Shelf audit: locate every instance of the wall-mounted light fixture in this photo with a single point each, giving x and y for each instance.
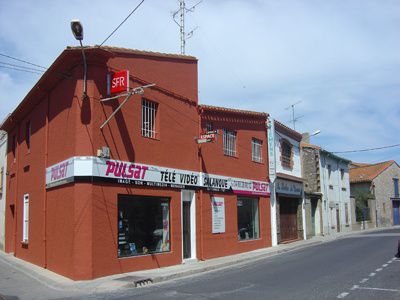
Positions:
(77, 30)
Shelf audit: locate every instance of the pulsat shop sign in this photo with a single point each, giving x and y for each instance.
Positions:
(97, 169)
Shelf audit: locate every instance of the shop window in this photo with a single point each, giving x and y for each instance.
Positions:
(143, 225)
(248, 219)
(229, 138)
(149, 115)
(286, 154)
(256, 147)
(25, 216)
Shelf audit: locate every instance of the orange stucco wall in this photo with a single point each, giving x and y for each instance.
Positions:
(73, 228)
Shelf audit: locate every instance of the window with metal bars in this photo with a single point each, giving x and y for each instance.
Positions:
(149, 114)
(286, 154)
(256, 150)
(229, 138)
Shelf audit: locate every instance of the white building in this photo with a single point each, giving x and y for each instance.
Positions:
(287, 197)
(3, 170)
(335, 188)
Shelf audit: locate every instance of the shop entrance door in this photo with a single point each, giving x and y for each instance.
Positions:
(288, 218)
(313, 213)
(188, 225)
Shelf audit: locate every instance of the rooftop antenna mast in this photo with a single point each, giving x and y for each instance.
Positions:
(181, 12)
(294, 119)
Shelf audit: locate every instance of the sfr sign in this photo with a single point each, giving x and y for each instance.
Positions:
(119, 82)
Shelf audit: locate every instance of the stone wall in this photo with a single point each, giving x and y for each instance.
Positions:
(384, 191)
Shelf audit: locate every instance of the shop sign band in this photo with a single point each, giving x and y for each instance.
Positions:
(97, 169)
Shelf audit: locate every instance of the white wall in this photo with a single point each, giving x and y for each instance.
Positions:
(336, 193)
(296, 171)
(3, 164)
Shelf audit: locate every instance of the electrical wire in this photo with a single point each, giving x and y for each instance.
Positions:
(122, 23)
(22, 70)
(24, 61)
(21, 67)
(368, 149)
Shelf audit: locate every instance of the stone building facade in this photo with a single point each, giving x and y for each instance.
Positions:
(381, 181)
(326, 190)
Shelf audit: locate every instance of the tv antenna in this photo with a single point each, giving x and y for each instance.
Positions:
(181, 12)
(294, 119)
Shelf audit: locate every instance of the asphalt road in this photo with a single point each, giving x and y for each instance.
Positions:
(356, 267)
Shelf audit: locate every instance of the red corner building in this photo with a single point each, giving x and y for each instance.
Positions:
(95, 188)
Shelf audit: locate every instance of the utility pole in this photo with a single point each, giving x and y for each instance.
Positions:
(294, 120)
(181, 12)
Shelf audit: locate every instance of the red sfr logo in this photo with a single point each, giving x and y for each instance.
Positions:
(120, 82)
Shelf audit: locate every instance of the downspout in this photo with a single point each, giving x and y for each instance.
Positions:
(16, 188)
(201, 190)
(46, 151)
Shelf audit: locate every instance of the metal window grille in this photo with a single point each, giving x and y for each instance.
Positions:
(256, 146)
(149, 113)
(229, 138)
(286, 153)
(209, 126)
(25, 225)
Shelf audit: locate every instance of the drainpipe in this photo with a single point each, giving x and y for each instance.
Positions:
(46, 152)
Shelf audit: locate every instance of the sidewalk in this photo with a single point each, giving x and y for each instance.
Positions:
(141, 278)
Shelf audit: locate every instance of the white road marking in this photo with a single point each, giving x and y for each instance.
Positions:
(342, 295)
(389, 262)
(354, 287)
(378, 289)
(364, 280)
(378, 270)
(372, 274)
(384, 265)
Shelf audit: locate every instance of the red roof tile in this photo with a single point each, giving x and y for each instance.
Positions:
(232, 111)
(368, 172)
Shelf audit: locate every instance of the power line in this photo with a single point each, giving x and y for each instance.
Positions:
(368, 149)
(122, 22)
(22, 70)
(24, 61)
(22, 67)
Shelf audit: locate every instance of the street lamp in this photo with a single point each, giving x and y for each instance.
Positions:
(77, 30)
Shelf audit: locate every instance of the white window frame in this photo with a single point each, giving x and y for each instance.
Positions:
(25, 220)
(256, 150)
(149, 114)
(229, 141)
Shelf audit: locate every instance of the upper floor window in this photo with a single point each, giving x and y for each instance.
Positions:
(14, 146)
(329, 171)
(286, 154)
(396, 187)
(28, 135)
(256, 150)
(149, 114)
(229, 138)
(209, 127)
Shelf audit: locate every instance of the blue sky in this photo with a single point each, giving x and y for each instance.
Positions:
(339, 59)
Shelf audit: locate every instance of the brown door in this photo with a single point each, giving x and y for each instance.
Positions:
(337, 220)
(288, 218)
